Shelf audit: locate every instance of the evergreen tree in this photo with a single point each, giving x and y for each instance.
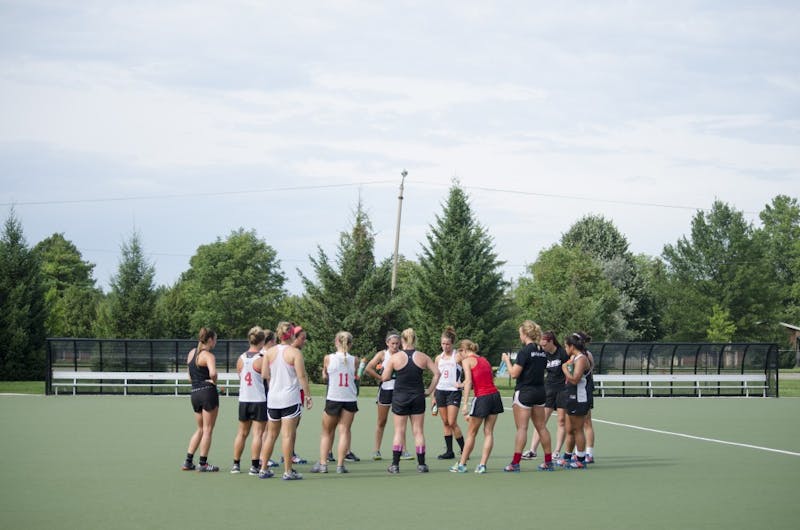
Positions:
(132, 299)
(22, 307)
(459, 282)
(352, 294)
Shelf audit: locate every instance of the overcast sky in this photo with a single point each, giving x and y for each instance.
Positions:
(187, 120)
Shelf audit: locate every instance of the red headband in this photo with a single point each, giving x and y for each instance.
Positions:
(288, 334)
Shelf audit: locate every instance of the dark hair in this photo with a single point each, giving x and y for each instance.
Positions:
(576, 340)
(551, 336)
(205, 335)
(586, 337)
(269, 335)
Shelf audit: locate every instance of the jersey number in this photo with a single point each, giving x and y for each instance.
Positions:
(446, 374)
(344, 379)
(248, 378)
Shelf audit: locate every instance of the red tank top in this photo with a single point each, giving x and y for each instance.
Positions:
(482, 378)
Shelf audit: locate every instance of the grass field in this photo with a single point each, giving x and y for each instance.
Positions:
(112, 462)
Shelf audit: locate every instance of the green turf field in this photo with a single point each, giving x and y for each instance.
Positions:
(113, 462)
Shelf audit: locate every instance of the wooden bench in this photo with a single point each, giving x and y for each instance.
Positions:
(167, 380)
(698, 383)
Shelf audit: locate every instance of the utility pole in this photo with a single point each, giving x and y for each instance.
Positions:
(397, 230)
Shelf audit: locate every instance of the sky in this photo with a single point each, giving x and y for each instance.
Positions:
(183, 121)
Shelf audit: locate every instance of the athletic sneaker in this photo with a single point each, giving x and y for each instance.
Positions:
(319, 468)
(330, 457)
(458, 468)
(253, 471)
(560, 462)
(377, 455)
(207, 468)
(481, 469)
(292, 475)
(407, 456)
(235, 469)
(272, 463)
(393, 469)
(341, 469)
(188, 466)
(529, 455)
(545, 466)
(589, 459)
(297, 460)
(512, 468)
(422, 468)
(266, 474)
(447, 455)
(351, 457)
(577, 464)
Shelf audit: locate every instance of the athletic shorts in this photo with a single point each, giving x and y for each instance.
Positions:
(575, 407)
(530, 397)
(384, 397)
(289, 412)
(551, 397)
(252, 411)
(448, 398)
(206, 398)
(334, 408)
(484, 406)
(409, 404)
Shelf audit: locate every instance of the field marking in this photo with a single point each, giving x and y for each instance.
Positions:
(701, 438)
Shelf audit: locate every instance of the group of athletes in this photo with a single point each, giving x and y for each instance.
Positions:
(274, 389)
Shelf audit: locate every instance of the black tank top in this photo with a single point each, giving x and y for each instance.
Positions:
(198, 374)
(409, 377)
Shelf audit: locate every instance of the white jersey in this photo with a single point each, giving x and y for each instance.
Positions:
(284, 388)
(386, 385)
(251, 385)
(341, 377)
(449, 371)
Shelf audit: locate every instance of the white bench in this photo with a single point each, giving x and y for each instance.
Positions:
(170, 380)
(698, 383)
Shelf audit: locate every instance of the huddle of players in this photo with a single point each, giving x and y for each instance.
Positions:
(567, 388)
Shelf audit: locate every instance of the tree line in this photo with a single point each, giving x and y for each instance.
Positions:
(727, 280)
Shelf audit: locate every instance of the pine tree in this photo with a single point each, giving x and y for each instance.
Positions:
(459, 282)
(22, 308)
(132, 300)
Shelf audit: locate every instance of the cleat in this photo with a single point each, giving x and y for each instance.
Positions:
(188, 466)
(448, 455)
(253, 471)
(292, 475)
(545, 466)
(341, 469)
(266, 474)
(319, 468)
(235, 469)
(351, 457)
(207, 468)
(481, 469)
(331, 458)
(407, 456)
(589, 459)
(377, 455)
(393, 469)
(512, 468)
(458, 468)
(422, 468)
(577, 464)
(529, 455)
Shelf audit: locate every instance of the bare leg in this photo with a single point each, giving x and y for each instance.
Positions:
(488, 437)
(209, 419)
(241, 436)
(473, 424)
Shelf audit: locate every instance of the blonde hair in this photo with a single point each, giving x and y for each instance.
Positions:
(468, 345)
(205, 335)
(449, 333)
(344, 339)
(284, 331)
(256, 335)
(409, 338)
(531, 329)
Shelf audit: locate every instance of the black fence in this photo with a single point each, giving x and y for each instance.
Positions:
(641, 358)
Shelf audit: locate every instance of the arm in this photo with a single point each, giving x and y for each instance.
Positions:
(432, 366)
(467, 365)
(513, 370)
(370, 370)
(240, 365)
(257, 363)
(579, 367)
(302, 377)
(325, 368)
(211, 364)
(388, 369)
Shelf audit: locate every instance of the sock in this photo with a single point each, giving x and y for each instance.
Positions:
(517, 458)
(256, 462)
(237, 462)
(460, 441)
(548, 458)
(448, 442)
(203, 460)
(397, 450)
(189, 457)
(567, 456)
(589, 450)
(421, 455)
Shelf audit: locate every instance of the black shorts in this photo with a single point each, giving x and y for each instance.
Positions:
(551, 397)
(252, 411)
(408, 404)
(448, 398)
(289, 412)
(206, 398)
(575, 407)
(530, 397)
(334, 408)
(484, 406)
(384, 397)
